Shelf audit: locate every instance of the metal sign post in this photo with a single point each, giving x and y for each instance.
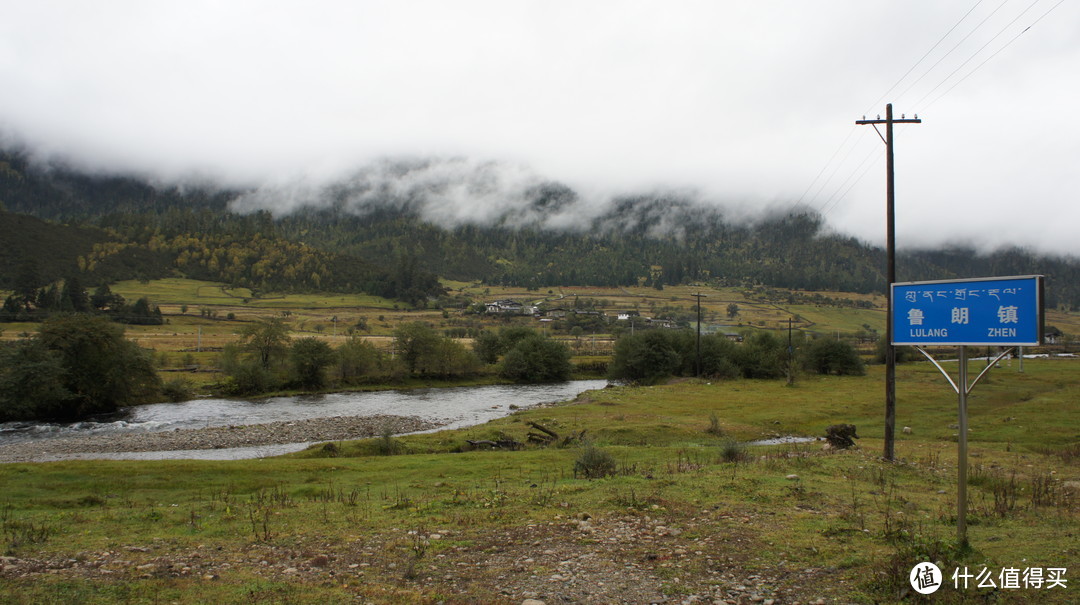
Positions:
(1005, 312)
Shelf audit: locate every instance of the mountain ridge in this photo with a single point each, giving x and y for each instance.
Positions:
(652, 239)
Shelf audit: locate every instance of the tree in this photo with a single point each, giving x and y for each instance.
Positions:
(718, 355)
(103, 371)
(310, 357)
(762, 355)
(104, 299)
(74, 295)
(537, 359)
(487, 346)
(490, 346)
(31, 382)
(646, 357)
(266, 339)
(415, 342)
(830, 356)
(358, 359)
(732, 311)
(247, 376)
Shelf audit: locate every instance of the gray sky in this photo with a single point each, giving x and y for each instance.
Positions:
(750, 104)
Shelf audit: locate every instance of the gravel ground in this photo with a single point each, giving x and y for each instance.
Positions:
(706, 558)
(274, 433)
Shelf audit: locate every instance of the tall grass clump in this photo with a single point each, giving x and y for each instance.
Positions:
(714, 426)
(733, 451)
(386, 445)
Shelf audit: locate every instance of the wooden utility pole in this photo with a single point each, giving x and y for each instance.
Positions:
(698, 357)
(890, 253)
(790, 354)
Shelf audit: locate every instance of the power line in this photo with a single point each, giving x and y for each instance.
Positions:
(996, 53)
(861, 169)
(822, 171)
(825, 211)
(840, 164)
(923, 58)
(951, 50)
(976, 53)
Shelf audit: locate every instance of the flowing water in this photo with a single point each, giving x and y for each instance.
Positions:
(455, 407)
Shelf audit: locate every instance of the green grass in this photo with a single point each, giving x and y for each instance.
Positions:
(856, 522)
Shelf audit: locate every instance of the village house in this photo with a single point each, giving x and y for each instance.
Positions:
(506, 307)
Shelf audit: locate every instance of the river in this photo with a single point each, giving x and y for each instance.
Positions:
(451, 407)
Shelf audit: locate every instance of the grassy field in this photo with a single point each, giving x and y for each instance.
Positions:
(192, 307)
(202, 317)
(687, 511)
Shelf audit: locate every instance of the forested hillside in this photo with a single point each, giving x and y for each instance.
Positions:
(122, 227)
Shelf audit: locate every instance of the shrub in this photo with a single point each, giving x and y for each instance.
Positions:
(177, 390)
(594, 463)
(309, 358)
(762, 355)
(733, 451)
(646, 358)
(537, 359)
(76, 366)
(829, 356)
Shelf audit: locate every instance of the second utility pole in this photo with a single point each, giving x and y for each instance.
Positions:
(698, 356)
(890, 252)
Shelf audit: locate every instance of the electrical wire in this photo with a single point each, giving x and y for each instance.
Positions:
(951, 50)
(829, 162)
(976, 53)
(925, 55)
(836, 197)
(996, 53)
(842, 190)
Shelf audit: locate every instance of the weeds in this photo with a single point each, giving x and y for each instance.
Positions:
(891, 576)
(685, 463)
(733, 451)
(855, 513)
(386, 445)
(545, 491)
(1068, 454)
(1047, 491)
(714, 426)
(418, 548)
(259, 516)
(19, 533)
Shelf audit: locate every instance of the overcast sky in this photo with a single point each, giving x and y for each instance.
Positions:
(746, 103)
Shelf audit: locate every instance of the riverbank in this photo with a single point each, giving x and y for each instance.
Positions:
(335, 428)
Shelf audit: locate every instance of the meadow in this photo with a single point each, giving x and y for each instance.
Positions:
(654, 496)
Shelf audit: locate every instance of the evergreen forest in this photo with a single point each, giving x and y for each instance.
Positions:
(59, 224)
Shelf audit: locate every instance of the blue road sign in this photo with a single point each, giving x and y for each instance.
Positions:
(993, 311)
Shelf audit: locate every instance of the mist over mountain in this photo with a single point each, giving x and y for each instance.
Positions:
(469, 220)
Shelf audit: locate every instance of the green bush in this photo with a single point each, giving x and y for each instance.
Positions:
(536, 359)
(762, 355)
(177, 390)
(76, 366)
(309, 358)
(830, 356)
(648, 357)
(594, 463)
